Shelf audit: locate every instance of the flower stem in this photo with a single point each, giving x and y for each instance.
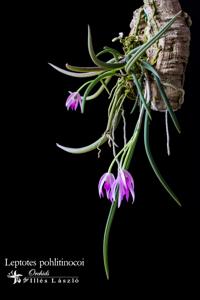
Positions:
(83, 85)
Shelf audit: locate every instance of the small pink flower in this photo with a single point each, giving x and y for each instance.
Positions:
(123, 186)
(106, 182)
(73, 101)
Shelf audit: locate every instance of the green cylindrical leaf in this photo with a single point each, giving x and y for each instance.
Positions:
(96, 60)
(152, 161)
(83, 69)
(73, 74)
(85, 149)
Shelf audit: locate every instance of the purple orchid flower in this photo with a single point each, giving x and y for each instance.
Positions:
(73, 101)
(106, 182)
(124, 185)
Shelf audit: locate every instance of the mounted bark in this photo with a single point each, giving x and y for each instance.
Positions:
(170, 54)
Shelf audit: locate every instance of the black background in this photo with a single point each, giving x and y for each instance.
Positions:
(49, 199)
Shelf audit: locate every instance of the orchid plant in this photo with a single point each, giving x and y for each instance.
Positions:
(130, 73)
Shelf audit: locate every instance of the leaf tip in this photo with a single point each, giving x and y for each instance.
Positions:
(59, 146)
(179, 204)
(107, 275)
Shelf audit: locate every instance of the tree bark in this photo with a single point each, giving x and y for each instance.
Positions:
(170, 54)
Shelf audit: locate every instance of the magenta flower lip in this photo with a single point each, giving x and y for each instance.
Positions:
(123, 186)
(73, 100)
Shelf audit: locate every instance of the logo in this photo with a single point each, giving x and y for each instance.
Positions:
(54, 271)
(15, 276)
